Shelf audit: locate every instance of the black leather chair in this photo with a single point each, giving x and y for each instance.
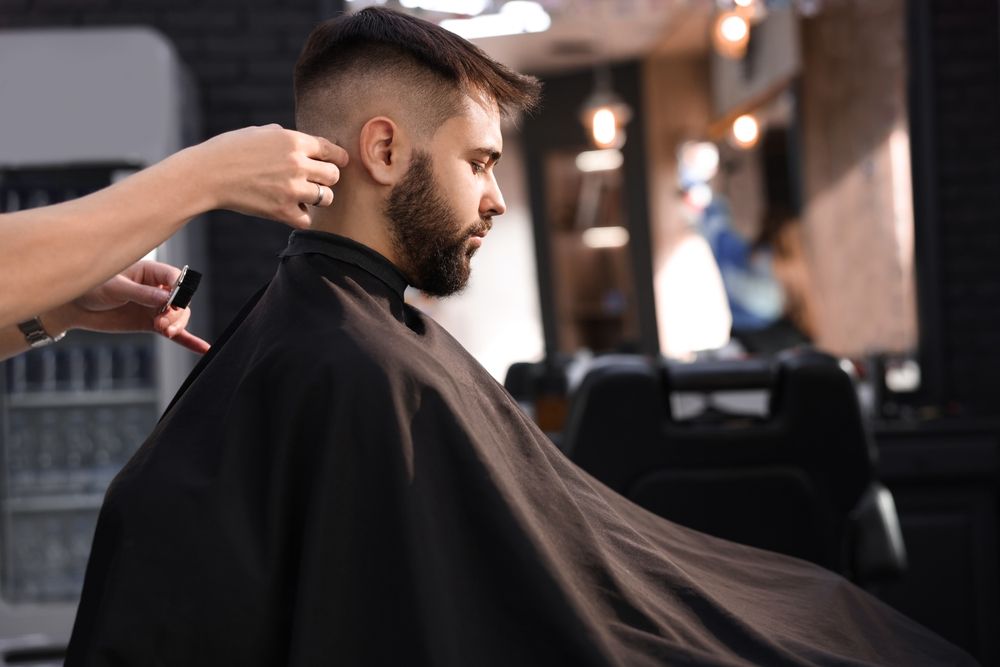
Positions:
(799, 480)
(521, 379)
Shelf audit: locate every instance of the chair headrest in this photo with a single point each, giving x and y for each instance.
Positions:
(726, 375)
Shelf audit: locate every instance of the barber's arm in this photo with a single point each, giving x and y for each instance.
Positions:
(131, 301)
(51, 255)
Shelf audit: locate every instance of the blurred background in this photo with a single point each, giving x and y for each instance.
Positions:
(718, 198)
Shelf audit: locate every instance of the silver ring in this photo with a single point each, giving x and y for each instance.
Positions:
(320, 195)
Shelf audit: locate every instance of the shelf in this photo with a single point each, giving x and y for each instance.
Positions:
(71, 399)
(63, 503)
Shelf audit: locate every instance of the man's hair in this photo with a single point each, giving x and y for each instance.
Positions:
(430, 68)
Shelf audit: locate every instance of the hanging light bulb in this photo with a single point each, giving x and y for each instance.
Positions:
(731, 34)
(604, 130)
(605, 113)
(745, 131)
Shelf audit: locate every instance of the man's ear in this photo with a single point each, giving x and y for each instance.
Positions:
(384, 150)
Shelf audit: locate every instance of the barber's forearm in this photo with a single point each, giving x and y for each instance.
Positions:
(53, 254)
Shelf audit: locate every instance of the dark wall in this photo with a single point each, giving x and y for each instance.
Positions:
(241, 54)
(955, 107)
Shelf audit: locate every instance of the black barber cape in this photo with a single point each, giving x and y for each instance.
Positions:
(340, 483)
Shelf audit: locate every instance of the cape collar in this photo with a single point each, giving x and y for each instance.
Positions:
(310, 241)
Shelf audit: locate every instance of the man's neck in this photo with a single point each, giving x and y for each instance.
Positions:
(362, 227)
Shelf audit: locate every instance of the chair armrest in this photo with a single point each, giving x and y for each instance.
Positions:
(878, 551)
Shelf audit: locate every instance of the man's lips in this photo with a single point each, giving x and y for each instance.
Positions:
(483, 230)
(477, 235)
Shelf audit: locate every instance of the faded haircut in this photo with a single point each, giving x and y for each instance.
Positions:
(379, 50)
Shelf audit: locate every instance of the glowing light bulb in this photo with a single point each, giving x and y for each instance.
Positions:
(604, 127)
(731, 34)
(746, 131)
(734, 28)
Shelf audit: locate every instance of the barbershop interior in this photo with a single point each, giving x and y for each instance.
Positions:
(745, 278)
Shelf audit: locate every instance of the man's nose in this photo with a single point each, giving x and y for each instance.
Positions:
(493, 203)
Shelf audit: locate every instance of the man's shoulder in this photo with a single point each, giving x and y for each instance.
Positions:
(322, 350)
(306, 328)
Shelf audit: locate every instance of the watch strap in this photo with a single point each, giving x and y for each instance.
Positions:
(35, 333)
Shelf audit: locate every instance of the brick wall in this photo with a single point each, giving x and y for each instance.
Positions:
(241, 54)
(857, 222)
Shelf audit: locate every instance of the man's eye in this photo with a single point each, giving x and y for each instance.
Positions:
(478, 167)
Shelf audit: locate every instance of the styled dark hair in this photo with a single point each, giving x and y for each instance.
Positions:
(404, 46)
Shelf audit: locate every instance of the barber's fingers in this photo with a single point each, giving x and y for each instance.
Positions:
(149, 272)
(325, 197)
(172, 321)
(321, 172)
(146, 283)
(319, 148)
(173, 325)
(190, 341)
(123, 289)
(315, 194)
(296, 217)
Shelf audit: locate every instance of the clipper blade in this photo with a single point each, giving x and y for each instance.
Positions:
(183, 290)
(186, 289)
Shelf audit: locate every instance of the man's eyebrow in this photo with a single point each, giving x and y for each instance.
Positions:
(492, 153)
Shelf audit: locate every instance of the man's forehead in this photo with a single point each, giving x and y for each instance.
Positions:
(478, 124)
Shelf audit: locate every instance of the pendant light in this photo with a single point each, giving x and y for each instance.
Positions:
(605, 113)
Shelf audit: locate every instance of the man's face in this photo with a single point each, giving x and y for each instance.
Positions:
(444, 206)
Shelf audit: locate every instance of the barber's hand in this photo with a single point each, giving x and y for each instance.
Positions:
(131, 301)
(271, 172)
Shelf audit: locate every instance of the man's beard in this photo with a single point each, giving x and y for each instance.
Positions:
(428, 237)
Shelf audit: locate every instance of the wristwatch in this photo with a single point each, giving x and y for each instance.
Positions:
(35, 333)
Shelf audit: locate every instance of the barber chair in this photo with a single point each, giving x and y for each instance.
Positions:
(542, 390)
(521, 380)
(798, 479)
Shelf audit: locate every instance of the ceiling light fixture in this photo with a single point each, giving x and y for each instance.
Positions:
(514, 18)
(605, 113)
(464, 7)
